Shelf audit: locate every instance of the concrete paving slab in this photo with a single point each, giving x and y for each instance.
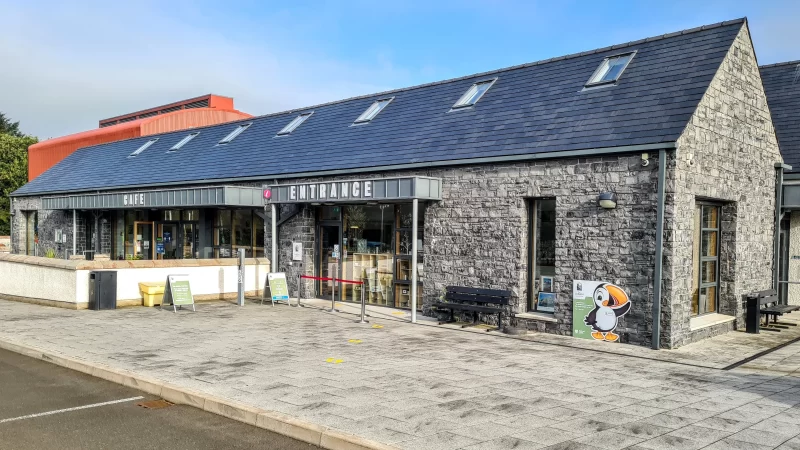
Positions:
(396, 388)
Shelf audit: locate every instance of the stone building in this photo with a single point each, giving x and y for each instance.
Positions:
(650, 165)
(782, 86)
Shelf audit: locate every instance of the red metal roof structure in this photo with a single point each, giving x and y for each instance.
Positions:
(191, 113)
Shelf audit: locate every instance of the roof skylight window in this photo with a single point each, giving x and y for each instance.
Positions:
(143, 147)
(291, 126)
(373, 110)
(183, 141)
(610, 69)
(239, 130)
(474, 93)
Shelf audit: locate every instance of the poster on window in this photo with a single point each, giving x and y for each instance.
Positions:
(597, 307)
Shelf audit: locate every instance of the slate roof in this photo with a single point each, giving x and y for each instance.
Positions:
(532, 108)
(782, 86)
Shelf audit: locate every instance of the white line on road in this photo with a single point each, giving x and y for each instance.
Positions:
(50, 413)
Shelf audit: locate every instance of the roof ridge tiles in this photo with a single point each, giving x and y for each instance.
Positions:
(785, 63)
(509, 68)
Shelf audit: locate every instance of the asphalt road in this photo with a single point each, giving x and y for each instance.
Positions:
(32, 387)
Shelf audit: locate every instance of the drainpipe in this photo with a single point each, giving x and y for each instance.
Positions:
(96, 233)
(11, 224)
(662, 172)
(274, 262)
(776, 256)
(74, 231)
(414, 250)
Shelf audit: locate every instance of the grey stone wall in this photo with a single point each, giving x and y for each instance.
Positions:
(727, 153)
(49, 221)
(299, 228)
(478, 234)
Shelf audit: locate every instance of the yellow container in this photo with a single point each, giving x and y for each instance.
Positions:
(152, 292)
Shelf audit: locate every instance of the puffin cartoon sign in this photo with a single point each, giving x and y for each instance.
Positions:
(596, 309)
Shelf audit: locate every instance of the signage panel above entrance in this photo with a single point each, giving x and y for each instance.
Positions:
(356, 190)
(221, 196)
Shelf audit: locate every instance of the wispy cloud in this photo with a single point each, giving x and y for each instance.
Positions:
(65, 67)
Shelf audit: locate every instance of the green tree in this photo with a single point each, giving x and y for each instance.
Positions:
(9, 127)
(13, 170)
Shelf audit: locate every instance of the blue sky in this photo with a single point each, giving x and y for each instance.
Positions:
(75, 64)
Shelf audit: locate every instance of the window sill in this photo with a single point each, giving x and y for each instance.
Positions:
(543, 317)
(709, 320)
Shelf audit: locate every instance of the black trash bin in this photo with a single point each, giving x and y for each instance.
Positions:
(102, 289)
(753, 314)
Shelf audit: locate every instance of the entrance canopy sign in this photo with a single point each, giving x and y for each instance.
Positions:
(356, 190)
(219, 196)
(178, 292)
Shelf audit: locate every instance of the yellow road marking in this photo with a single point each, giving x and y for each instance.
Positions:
(398, 313)
(334, 360)
(354, 341)
(377, 326)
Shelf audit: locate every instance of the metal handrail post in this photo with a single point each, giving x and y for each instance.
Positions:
(363, 307)
(299, 286)
(333, 291)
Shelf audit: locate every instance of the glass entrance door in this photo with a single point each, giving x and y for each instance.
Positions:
(167, 241)
(191, 241)
(328, 237)
(143, 240)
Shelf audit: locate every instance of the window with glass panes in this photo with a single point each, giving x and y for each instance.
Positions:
(705, 259)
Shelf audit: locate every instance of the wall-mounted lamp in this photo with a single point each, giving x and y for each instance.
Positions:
(607, 200)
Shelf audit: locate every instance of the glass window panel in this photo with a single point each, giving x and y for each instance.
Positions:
(601, 71)
(465, 99)
(406, 212)
(710, 216)
(368, 236)
(709, 272)
(258, 226)
(481, 88)
(144, 147)
(709, 243)
(329, 212)
(191, 215)
(610, 69)
(544, 247)
(243, 228)
(711, 299)
(614, 69)
(172, 215)
(373, 110)
(236, 132)
(222, 234)
(474, 93)
(183, 141)
(296, 122)
(696, 263)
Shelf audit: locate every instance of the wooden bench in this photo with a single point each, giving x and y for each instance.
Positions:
(475, 300)
(767, 305)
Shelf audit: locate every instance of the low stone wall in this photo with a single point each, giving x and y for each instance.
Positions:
(57, 282)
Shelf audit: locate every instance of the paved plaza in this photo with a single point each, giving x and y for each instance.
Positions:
(432, 387)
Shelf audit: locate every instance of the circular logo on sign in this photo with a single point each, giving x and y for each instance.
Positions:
(267, 194)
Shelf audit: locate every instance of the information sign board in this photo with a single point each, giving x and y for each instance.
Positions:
(277, 286)
(178, 292)
(597, 307)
